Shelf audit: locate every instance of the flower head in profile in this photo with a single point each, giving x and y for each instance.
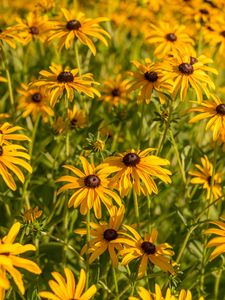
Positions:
(148, 79)
(77, 26)
(77, 117)
(203, 176)
(35, 101)
(219, 241)
(92, 188)
(146, 251)
(31, 214)
(10, 156)
(167, 38)
(8, 133)
(10, 261)
(67, 289)
(214, 110)
(136, 169)
(61, 80)
(187, 71)
(104, 236)
(157, 295)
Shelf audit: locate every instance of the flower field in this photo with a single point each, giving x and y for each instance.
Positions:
(112, 140)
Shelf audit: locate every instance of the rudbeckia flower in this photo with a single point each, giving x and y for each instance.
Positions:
(158, 295)
(10, 261)
(219, 241)
(186, 295)
(146, 250)
(77, 117)
(215, 111)
(204, 177)
(9, 36)
(135, 169)
(35, 101)
(77, 26)
(103, 234)
(7, 134)
(92, 188)
(147, 79)
(59, 80)
(67, 289)
(187, 71)
(9, 159)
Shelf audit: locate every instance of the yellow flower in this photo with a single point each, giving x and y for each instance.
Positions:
(67, 289)
(92, 188)
(147, 79)
(34, 101)
(31, 214)
(186, 295)
(204, 177)
(215, 110)
(145, 250)
(60, 80)
(103, 234)
(146, 295)
(115, 91)
(76, 26)
(135, 169)
(167, 38)
(7, 134)
(219, 241)
(187, 71)
(9, 259)
(9, 159)
(9, 36)
(77, 117)
(98, 145)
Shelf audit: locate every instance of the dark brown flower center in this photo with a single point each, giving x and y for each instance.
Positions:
(1, 30)
(148, 247)
(171, 37)
(151, 76)
(110, 235)
(73, 122)
(222, 33)
(1, 150)
(73, 25)
(209, 179)
(220, 109)
(115, 92)
(65, 77)
(204, 11)
(186, 68)
(193, 60)
(210, 28)
(92, 181)
(34, 30)
(210, 3)
(131, 159)
(36, 97)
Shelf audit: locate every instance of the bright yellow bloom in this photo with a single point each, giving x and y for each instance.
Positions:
(167, 38)
(10, 261)
(145, 250)
(77, 117)
(186, 295)
(9, 36)
(204, 177)
(215, 110)
(147, 79)
(67, 289)
(9, 159)
(92, 188)
(187, 71)
(146, 295)
(219, 241)
(7, 134)
(76, 26)
(135, 169)
(61, 80)
(102, 236)
(35, 101)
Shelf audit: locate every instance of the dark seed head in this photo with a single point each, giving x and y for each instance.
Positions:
(171, 37)
(36, 97)
(34, 30)
(92, 181)
(1, 30)
(1, 150)
(193, 60)
(148, 247)
(204, 11)
(209, 180)
(131, 159)
(220, 109)
(115, 92)
(210, 3)
(65, 77)
(73, 25)
(110, 234)
(186, 68)
(222, 33)
(73, 122)
(151, 76)
(211, 29)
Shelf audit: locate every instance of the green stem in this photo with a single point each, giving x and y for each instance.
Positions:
(149, 211)
(115, 282)
(217, 281)
(184, 244)
(141, 124)
(136, 208)
(77, 58)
